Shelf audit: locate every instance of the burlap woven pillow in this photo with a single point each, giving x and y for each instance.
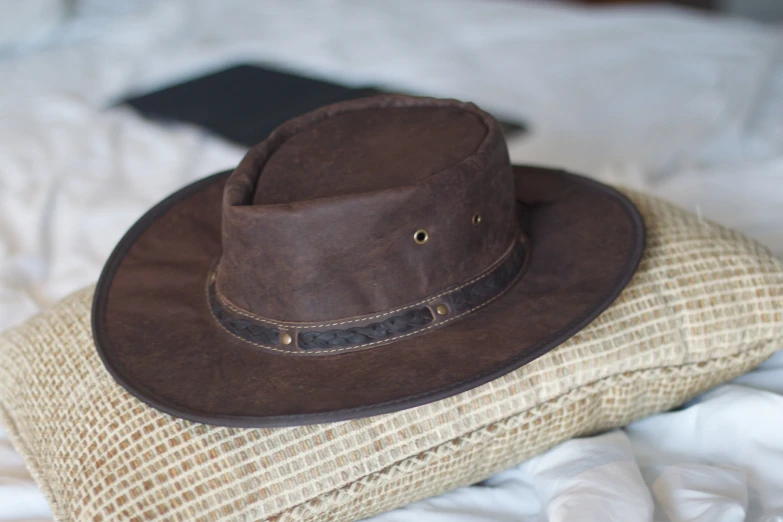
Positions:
(706, 305)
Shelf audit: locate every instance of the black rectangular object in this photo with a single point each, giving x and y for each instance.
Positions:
(244, 103)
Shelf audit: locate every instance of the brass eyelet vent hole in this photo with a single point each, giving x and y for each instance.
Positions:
(421, 236)
(476, 219)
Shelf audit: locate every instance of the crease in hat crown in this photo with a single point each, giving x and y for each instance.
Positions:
(347, 256)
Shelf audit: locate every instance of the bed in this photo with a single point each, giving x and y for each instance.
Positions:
(682, 105)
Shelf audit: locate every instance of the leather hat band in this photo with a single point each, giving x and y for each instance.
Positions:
(364, 332)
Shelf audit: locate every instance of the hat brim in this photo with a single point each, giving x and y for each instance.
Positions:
(157, 337)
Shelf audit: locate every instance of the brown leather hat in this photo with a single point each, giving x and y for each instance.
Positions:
(367, 257)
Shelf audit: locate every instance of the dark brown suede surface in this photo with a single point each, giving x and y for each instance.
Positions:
(159, 339)
(354, 253)
(156, 334)
(368, 150)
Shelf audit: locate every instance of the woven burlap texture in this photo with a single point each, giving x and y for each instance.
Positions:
(705, 305)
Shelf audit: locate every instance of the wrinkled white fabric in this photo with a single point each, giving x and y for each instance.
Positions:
(572, 480)
(681, 105)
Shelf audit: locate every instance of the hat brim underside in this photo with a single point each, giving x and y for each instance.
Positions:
(156, 335)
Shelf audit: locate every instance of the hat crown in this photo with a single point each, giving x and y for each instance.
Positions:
(364, 206)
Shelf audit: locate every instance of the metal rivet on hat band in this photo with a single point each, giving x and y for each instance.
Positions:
(476, 219)
(286, 338)
(421, 236)
(442, 309)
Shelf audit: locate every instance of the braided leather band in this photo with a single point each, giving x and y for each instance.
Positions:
(315, 339)
(359, 335)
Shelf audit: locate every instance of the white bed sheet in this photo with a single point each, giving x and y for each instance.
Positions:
(685, 106)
